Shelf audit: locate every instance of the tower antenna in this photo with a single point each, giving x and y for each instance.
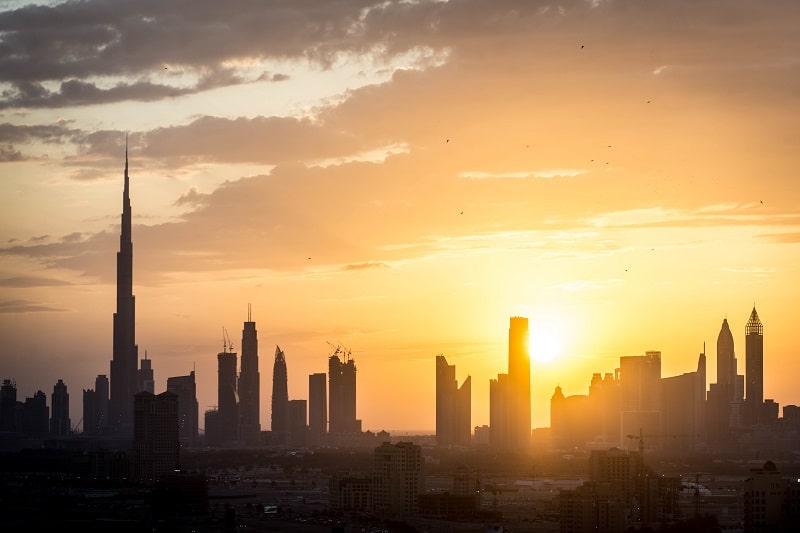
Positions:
(248, 312)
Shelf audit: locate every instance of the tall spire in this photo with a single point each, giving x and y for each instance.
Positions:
(754, 326)
(125, 352)
(126, 189)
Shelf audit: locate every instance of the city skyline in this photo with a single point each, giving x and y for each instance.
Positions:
(400, 184)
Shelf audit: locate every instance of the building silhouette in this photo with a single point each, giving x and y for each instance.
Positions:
(296, 420)
(398, 479)
(8, 406)
(771, 501)
(280, 396)
(682, 411)
(144, 376)
(185, 388)
(227, 398)
(754, 369)
(317, 407)
(342, 396)
(125, 351)
(453, 406)
(156, 444)
(60, 425)
(95, 407)
(640, 376)
(35, 416)
(510, 394)
(724, 397)
(249, 386)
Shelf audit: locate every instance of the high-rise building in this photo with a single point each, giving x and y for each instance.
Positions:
(156, 445)
(317, 406)
(500, 413)
(101, 397)
(453, 406)
(397, 479)
(185, 388)
(8, 406)
(125, 351)
(35, 416)
(144, 376)
(249, 386)
(227, 397)
(296, 420)
(280, 395)
(640, 399)
(519, 374)
(60, 425)
(754, 368)
(725, 396)
(510, 394)
(342, 396)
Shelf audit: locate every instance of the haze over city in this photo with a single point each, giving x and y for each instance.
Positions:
(399, 179)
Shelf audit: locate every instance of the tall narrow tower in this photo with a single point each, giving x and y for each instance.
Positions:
(126, 353)
(754, 368)
(280, 394)
(519, 376)
(249, 385)
(726, 360)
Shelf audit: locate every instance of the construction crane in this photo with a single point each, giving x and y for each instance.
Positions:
(227, 345)
(641, 437)
(338, 349)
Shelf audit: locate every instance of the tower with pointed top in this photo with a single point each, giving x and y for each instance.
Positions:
(249, 385)
(125, 352)
(280, 395)
(754, 368)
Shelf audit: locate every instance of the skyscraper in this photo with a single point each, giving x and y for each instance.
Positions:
(280, 394)
(156, 446)
(725, 396)
(754, 368)
(8, 406)
(453, 406)
(60, 425)
(249, 385)
(342, 396)
(35, 416)
(227, 397)
(144, 376)
(510, 394)
(317, 406)
(125, 351)
(185, 388)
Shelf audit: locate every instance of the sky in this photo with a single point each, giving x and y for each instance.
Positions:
(400, 178)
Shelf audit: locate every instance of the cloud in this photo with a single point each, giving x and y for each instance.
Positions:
(76, 42)
(368, 265)
(25, 306)
(542, 174)
(782, 238)
(20, 282)
(191, 197)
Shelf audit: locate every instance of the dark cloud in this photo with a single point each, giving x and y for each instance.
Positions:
(25, 306)
(75, 41)
(8, 154)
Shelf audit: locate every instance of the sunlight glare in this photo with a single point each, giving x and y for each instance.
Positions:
(545, 345)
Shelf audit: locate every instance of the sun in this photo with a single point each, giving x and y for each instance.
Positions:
(544, 344)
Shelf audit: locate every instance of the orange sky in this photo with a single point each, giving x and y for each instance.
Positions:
(400, 178)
